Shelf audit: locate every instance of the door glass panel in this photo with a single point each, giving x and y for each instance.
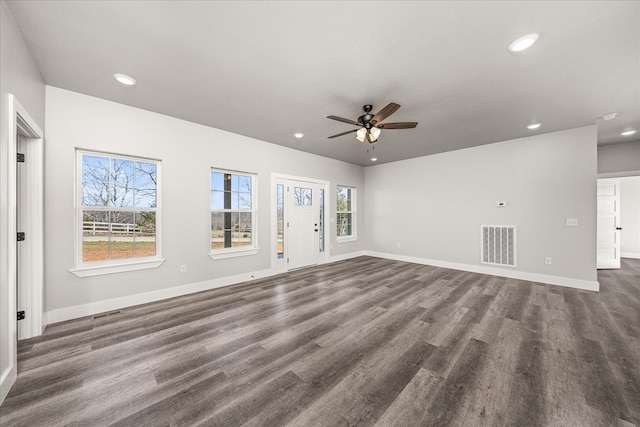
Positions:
(302, 196)
(280, 220)
(321, 224)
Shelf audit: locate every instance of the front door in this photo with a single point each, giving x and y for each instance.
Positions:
(303, 218)
(608, 223)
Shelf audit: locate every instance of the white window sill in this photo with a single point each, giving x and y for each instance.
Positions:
(233, 253)
(98, 270)
(346, 239)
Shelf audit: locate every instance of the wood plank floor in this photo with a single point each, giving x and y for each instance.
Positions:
(366, 341)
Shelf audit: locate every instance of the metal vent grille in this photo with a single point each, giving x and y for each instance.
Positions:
(499, 245)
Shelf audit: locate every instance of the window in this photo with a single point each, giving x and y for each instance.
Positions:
(118, 212)
(280, 220)
(345, 209)
(233, 215)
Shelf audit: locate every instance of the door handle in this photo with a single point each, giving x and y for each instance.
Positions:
(316, 230)
(618, 228)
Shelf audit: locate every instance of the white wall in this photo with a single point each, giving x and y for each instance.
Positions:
(630, 217)
(20, 76)
(619, 159)
(434, 206)
(187, 152)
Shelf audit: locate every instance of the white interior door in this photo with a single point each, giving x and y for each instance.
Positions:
(303, 220)
(608, 223)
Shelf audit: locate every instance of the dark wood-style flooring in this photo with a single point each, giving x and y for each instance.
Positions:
(360, 342)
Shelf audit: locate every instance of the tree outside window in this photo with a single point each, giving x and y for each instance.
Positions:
(232, 210)
(119, 207)
(345, 209)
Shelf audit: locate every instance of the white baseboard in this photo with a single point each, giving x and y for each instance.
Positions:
(344, 257)
(634, 255)
(512, 274)
(6, 381)
(96, 307)
(74, 312)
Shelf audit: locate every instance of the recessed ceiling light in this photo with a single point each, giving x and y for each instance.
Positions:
(124, 79)
(373, 159)
(298, 135)
(628, 132)
(524, 42)
(533, 126)
(609, 116)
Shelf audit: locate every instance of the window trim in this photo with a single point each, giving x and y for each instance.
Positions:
(233, 252)
(354, 235)
(96, 268)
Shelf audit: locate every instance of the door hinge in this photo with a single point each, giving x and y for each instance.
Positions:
(21, 236)
(287, 224)
(21, 315)
(20, 158)
(287, 260)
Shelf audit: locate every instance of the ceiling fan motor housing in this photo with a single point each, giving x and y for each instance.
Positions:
(365, 119)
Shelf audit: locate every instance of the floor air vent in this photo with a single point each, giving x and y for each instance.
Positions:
(499, 245)
(110, 313)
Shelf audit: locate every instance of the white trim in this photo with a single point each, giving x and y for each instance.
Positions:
(354, 221)
(15, 118)
(86, 269)
(634, 255)
(6, 381)
(344, 257)
(96, 307)
(344, 239)
(233, 253)
(225, 253)
(618, 174)
(68, 313)
(98, 270)
(521, 275)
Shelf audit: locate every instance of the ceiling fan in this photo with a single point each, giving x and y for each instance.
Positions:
(369, 124)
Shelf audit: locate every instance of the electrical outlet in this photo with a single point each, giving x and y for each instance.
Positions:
(183, 268)
(547, 261)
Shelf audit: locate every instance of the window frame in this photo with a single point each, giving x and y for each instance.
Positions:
(353, 236)
(232, 252)
(118, 265)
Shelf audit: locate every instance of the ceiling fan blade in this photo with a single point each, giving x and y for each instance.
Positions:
(341, 119)
(344, 133)
(385, 112)
(398, 125)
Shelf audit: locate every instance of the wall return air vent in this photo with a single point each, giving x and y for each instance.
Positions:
(498, 245)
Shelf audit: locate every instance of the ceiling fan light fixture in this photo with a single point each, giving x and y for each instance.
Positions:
(374, 134)
(524, 42)
(361, 134)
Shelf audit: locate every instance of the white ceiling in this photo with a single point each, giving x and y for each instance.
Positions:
(268, 69)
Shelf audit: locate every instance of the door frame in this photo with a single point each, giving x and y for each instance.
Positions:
(17, 119)
(622, 174)
(280, 265)
(600, 261)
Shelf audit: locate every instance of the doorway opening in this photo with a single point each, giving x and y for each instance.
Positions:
(618, 226)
